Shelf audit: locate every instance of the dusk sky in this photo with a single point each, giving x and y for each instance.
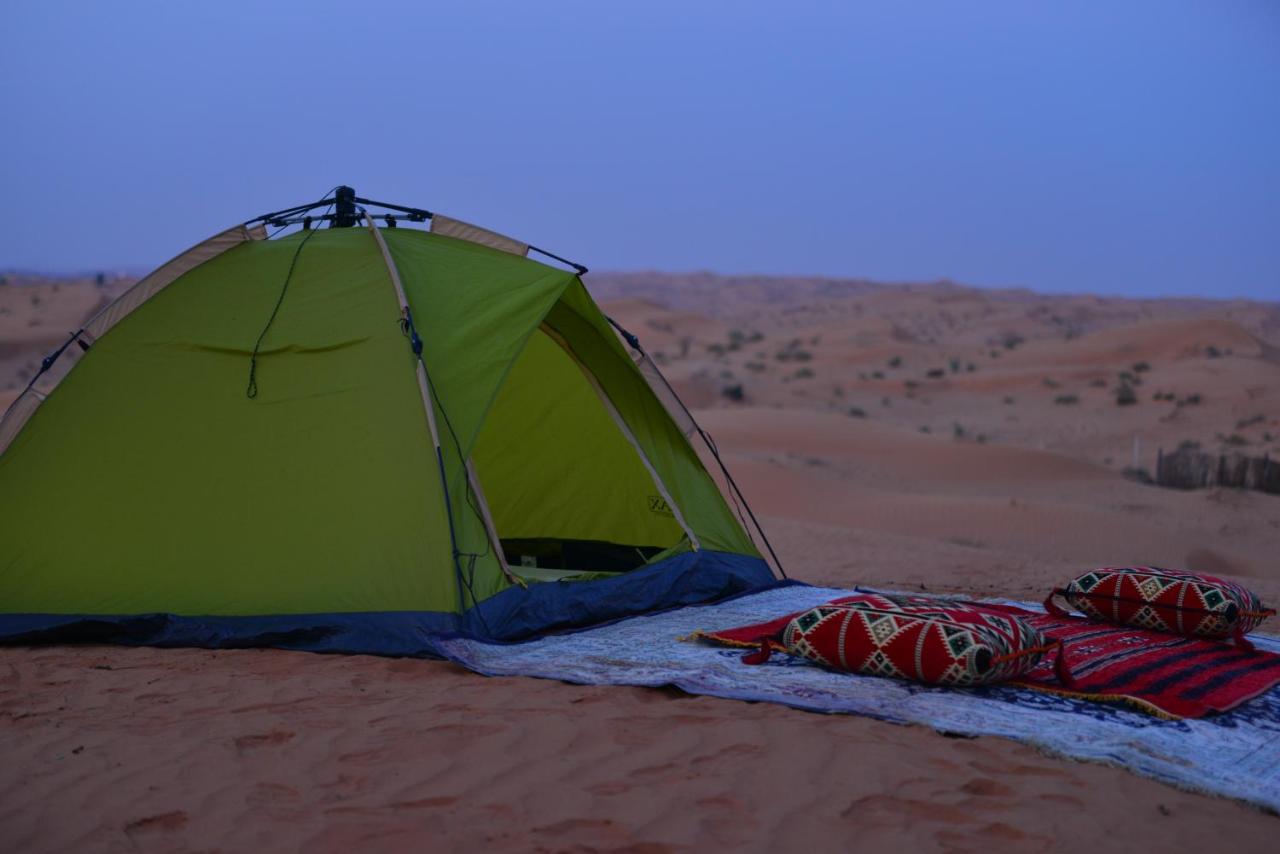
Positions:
(1115, 147)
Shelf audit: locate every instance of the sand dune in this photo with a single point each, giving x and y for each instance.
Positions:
(923, 436)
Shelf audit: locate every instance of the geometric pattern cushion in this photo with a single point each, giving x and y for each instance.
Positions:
(1164, 600)
(932, 642)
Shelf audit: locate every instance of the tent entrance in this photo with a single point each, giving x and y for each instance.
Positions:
(567, 488)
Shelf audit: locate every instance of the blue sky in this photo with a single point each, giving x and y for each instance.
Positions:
(1116, 147)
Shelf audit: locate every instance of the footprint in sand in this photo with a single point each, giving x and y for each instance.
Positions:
(986, 788)
(168, 821)
(425, 803)
(266, 739)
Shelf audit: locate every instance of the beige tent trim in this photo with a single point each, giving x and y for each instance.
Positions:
(148, 287)
(449, 227)
(662, 390)
(424, 388)
(25, 405)
(16, 416)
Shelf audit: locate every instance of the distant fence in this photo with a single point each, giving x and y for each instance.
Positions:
(1188, 468)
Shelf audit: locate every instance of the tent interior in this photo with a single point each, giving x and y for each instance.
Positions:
(567, 489)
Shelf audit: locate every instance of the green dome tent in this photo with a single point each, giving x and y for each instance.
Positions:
(354, 438)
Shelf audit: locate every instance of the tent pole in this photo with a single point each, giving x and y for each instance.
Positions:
(415, 215)
(424, 388)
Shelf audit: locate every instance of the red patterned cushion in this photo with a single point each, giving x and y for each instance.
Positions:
(1164, 600)
(915, 638)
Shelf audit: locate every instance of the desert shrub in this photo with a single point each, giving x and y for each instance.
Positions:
(857, 412)
(1249, 422)
(1140, 475)
(954, 365)
(895, 362)
(971, 367)
(794, 355)
(924, 428)
(877, 375)
(1010, 340)
(1049, 382)
(1009, 401)
(957, 431)
(1212, 352)
(1130, 379)
(1191, 400)
(1141, 367)
(1067, 399)
(1098, 383)
(1235, 440)
(1126, 396)
(804, 374)
(935, 373)
(734, 392)
(910, 384)
(757, 367)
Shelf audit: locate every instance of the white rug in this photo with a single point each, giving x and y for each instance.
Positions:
(1235, 754)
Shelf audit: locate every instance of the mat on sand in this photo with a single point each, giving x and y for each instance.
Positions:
(1166, 675)
(1235, 754)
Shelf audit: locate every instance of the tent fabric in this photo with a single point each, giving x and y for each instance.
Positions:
(31, 398)
(547, 403)
(515, 615)
(578, 320)
(148, 483)
(167, 273)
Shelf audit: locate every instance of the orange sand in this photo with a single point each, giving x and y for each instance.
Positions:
(1009, 490)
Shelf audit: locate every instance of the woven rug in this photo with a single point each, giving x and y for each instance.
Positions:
(1235, 754)
(1166, 675)
(1173, 676)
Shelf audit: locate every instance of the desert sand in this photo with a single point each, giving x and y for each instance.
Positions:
(923, 436)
